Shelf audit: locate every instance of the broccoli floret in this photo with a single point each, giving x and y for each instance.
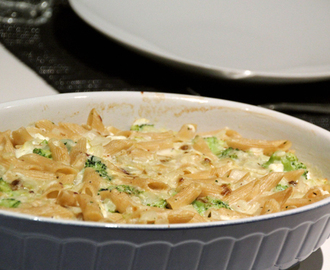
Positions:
(280, 187)
(229, 153)
(43, 152)
(128, 189)
(162, 203)
(9, 203)
(142, 124)
(142, 127)
(205, 203)
(289, 160)
(97, 164)
(291, 163)
(215, 145)
(218, 148)
(4, 186)
(44, 142)
(124, 188)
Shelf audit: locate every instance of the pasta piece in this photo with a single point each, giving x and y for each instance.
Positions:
(53, 190)
(39, 176)
(148, 217)
(145, 183)
(245, 192)
(90, 208)
(46, 164)
(95, 122)
(221, 171)
(198, 218)
(67, 198)
(230, 133)
(184, 197)
(75, 129)
(116, 146)
(280, 197)
(187, 132)
(47, 210)
(325, 188)
(65, 179)
(45, 125)
(124, 133)
(314, 192)
(6, 146)
(180, 216)
(155, 145)
(210, 174)
(294, 175)
(225, 214)
(214, 190)
(268, 146)
(140, 153)
(270, 181)
(299, 202)
(153, 136)
(121, 200)
(157, 185)
(112, 218)
(201, 146)
(59, 151)
(20, 136)
(10, 162)
(136, 181)
(270, 206)
(91, 182)
(78, 155)
(211, 133)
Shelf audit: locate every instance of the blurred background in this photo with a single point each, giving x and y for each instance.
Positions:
(72, 56)
(69, 55)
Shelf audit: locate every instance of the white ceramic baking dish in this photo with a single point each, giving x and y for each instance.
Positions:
(275, 241)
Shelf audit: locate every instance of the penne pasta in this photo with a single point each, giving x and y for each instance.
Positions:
(267, 146)
(225, 214)
(187, 132)
(20, 136)
(91, 182)
(145, 175)
(121, 200)
(90, 208)
(6, 145)
(67, 198)
(95, 122)
(299, 202)
(184, 197)
(59, 151)
(116, 146)
(181, 216)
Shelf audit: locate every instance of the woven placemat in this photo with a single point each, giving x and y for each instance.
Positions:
(71, 56)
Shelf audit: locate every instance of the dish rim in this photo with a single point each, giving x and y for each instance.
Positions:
(225, 103)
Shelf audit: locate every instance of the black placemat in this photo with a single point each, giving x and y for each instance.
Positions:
(72, 56)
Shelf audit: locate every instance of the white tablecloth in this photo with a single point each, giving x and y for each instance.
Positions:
(17, 81)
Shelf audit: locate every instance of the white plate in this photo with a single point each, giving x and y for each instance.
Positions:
(257, 40)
